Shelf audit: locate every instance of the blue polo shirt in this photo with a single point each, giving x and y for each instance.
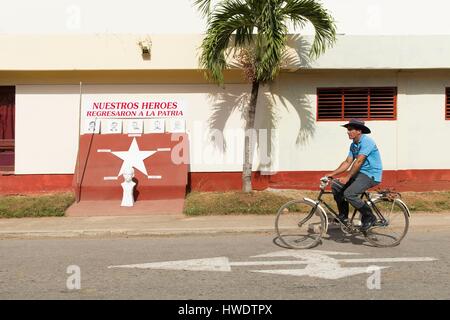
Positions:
(372, 166)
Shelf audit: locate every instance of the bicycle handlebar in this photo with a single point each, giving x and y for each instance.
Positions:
(324, 181)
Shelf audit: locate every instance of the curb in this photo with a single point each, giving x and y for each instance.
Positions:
(127, 233)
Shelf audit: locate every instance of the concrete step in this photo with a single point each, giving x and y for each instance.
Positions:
(86, 208)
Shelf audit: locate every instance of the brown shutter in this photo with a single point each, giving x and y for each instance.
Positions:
(378, 103)
(330, 104)
(447, 103)
(356, 103)
(383, 103)
(7, 128)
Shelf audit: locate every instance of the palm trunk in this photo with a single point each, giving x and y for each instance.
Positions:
(248, 148)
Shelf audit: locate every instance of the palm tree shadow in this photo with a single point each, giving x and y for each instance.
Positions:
(296, 54)
(295, 58)
(297, 104)
(223, 105)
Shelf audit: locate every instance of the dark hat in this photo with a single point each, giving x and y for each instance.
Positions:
(357, 124)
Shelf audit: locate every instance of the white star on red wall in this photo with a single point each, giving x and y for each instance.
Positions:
(133, 158)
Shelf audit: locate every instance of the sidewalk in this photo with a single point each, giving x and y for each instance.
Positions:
(167, 225)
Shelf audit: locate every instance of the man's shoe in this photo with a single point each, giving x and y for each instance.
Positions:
(367, 218)
(368, 223)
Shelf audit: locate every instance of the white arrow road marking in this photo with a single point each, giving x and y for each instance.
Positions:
(321, 266)
(210, 264)
(265, 263)
(318, 264)
(325, 271)
(302, 254)
(408, 259)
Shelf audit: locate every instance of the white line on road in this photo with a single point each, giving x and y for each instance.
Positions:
(268, 263)
(265, 263)
(410, 259)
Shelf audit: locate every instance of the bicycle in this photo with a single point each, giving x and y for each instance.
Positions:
(301, 224)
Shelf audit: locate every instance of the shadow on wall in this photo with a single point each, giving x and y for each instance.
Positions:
(297, 54)
(270, 98)
(291, 96)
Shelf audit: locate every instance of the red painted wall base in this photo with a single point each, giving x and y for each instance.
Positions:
(402, 180)
(35, 183)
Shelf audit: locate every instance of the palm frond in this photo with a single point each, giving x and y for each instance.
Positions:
(261, 25)
(271, 41)
(230, 16)
(301, 11)
(204, 6)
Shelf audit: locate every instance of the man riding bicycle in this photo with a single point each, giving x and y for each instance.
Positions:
(366, 171)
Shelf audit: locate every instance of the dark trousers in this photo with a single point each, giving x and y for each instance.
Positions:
(351, 192)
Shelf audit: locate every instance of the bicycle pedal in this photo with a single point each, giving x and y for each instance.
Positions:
(380, 224)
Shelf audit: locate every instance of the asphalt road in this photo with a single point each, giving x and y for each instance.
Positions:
(38, 269)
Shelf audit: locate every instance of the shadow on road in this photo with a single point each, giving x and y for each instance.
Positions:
(279, 243)
(335, 234)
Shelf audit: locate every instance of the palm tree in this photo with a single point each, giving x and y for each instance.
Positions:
(259, 30)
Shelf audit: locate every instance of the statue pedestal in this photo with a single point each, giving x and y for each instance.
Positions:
(128, 198)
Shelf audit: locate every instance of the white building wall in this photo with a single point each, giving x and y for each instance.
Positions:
(423, 131)
(46, 129)
(367, 17)
(181, 52)
(47, 122)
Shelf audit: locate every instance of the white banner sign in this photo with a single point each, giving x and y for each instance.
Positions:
(132, 108)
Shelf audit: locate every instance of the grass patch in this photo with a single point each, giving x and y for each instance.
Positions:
(211, 203)
(436, 201)
(268, 202)
(48, 205)
(223, 203)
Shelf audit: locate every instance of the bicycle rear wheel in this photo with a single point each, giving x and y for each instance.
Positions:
(300, 224)
(390, 231)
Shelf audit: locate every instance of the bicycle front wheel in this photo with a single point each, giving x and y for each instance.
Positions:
(300, 224)
(392, 226)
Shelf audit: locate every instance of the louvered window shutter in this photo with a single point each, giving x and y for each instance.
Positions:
(447, 104)
(377, 103)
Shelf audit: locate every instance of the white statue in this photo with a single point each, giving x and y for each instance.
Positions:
(128, 187)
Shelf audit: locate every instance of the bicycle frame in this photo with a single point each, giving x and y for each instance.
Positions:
(335, 215)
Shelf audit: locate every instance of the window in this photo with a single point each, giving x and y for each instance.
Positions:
(7, 128)
(379, 103)
(447, 103)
